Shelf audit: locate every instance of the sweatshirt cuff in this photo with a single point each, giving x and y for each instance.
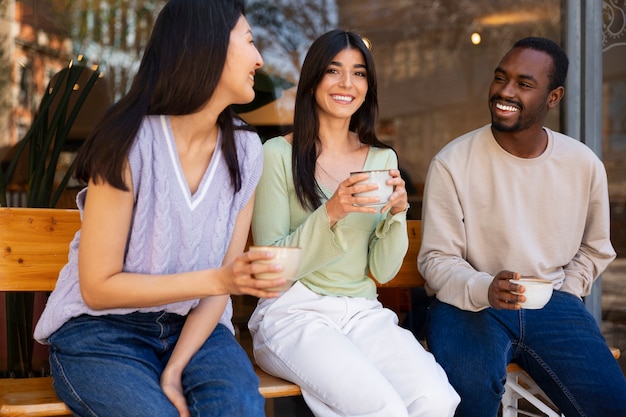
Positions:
(479, 290)
(574, 286)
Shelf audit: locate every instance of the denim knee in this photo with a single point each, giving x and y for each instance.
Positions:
(221, 381)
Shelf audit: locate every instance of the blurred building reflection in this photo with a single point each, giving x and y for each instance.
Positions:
(433, 80)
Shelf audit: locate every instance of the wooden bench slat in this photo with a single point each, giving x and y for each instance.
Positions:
(616, 352)
(273, 387)
(30, 397)
(26, 265)
(36, 396)
(409, 276)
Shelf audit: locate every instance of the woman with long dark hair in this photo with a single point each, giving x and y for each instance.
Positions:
(328, 333)
(140, 321)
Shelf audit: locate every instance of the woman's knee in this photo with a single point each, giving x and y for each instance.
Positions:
(228, 384)
(441, 400)
(217, 398)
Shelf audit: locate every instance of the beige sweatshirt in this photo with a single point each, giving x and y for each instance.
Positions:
(486, 210)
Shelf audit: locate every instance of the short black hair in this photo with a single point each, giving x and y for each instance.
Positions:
(560, 62)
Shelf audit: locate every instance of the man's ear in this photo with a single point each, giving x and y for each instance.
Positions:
(555, 96)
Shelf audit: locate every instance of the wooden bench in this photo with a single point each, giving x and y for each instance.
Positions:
(35, 245)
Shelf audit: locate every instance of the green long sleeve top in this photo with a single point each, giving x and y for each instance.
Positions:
(335, 260)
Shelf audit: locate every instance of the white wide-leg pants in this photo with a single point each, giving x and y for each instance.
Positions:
(349, 356)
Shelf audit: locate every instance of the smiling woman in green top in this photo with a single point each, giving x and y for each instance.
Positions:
(328, 333)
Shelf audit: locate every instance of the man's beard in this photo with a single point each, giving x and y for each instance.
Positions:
(500, 127)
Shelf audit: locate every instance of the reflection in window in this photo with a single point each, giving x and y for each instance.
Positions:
(616, 115)
(25, 94)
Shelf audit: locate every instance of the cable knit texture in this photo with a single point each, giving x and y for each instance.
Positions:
(172, 230)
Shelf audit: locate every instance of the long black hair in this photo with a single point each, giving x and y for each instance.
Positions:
(178, 74)
(306, 121)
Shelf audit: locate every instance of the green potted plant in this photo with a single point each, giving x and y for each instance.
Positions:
(40, 149)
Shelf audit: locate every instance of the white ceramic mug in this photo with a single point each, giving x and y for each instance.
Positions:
(384, 190)
(287, 256)
(537, 291)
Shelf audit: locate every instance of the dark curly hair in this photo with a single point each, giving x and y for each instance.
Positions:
(560, 62)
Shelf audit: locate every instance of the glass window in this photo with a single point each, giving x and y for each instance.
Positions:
(614, 157)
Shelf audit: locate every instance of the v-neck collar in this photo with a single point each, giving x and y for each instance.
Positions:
(327, 192)
(193, 200)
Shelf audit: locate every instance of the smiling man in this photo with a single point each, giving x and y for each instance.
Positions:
(512, 199)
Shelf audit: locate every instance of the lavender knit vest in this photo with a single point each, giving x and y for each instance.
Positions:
(172, 230)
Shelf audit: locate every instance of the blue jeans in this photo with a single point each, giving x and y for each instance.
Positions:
(111, 366)
(560, 346)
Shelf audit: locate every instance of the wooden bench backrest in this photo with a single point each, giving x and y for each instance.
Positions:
(35, 245)
(408, 276)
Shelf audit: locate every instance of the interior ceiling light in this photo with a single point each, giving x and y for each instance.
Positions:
(511, 18)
